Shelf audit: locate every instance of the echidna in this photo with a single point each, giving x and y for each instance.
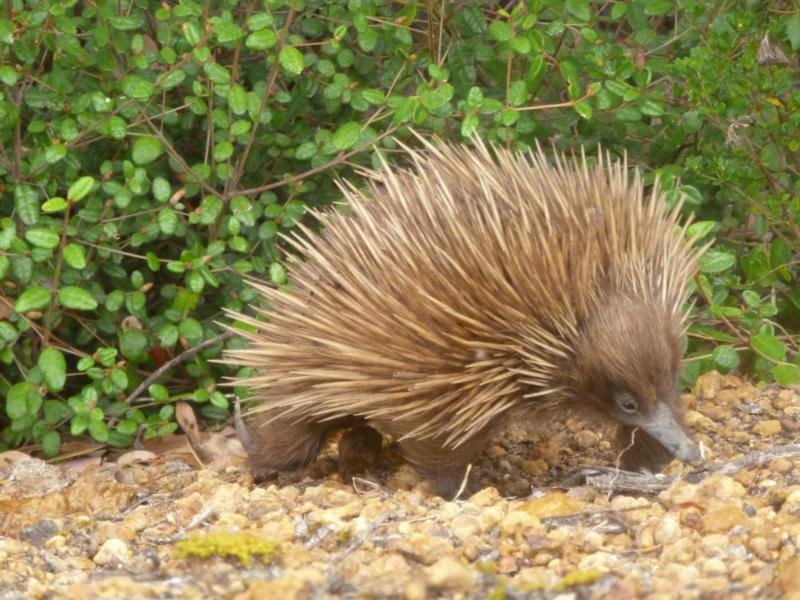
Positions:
(474, 284)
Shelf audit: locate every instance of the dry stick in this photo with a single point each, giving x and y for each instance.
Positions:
(608, 477)
(463, 482)
(174, 361)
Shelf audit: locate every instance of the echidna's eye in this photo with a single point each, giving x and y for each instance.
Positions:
(627, 403)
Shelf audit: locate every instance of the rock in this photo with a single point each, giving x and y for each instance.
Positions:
(292, 585)
(517, 521)
(533, 578)
(114, 553)
(555, 504)
(767, 428)
(791, 505)
(536, 467)
(486, 497)
(496, 451)
(586, 439)
(715, 544)
(490, 517)
(668, 530)
(708, 384)
(789, 576)
(713, 567)
(682, 551)
(38, 533)
(464, 526)
(723, 519)
(698, 421)
(450, 575)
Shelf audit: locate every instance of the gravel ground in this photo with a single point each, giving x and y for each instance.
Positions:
(152, 524)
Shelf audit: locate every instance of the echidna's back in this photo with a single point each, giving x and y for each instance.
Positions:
(455, 284)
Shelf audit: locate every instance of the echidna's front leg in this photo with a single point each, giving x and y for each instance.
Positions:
(444, 467)
(284, 445)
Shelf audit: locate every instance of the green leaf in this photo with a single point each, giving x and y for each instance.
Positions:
(374, 96)
(217, 73)
(54, 204)
(651, 108)
(223, 151)
(435, 99)
(74, 256)
(516, 94)
(237, 99)
(133, 343)
(79, 189)
(579, 9)
(227, 32)
(780, 257)
(584, 109)
(8, 75)
(291, 60)
(259, 20)
(725, 357)
(137, 87)
(263, 39)
(42, 238)
(277, 273)
(716, 261)
(162, 189)
(469, 125)
(17, 400)
(346, 135)
(657, 8)
(793, 31)
(51, 444)
(786, 374)
(26, 202)
(146, 150)
(53, 366)
(500, 31)
(700, 229)
(368, 39)
(77, 298)
(98, 430)
(158, 392)
(305, 151)
(769, 347)
(34, 298)
(167, 221)
(54, 153)
(569, 70)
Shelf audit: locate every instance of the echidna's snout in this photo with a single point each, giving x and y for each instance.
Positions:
(662, 426)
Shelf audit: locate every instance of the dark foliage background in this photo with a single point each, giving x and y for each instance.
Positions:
(152, 152)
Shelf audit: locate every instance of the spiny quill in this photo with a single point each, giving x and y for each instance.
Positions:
(473, 284)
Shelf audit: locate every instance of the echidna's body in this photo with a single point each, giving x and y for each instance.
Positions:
(474, 283)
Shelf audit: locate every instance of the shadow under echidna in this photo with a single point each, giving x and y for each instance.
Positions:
(473, 285)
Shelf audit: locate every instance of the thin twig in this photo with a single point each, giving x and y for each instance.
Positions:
(183, 356)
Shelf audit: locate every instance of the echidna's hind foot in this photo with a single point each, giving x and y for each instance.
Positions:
(645, 452)
(285, 445)
(444, 467)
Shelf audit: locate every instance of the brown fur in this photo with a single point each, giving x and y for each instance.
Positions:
(464, 288)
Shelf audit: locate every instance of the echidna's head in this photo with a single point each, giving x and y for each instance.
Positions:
(627, 365)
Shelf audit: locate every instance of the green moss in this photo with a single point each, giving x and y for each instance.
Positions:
(578, 577)
(239, 545)
(487, 567)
